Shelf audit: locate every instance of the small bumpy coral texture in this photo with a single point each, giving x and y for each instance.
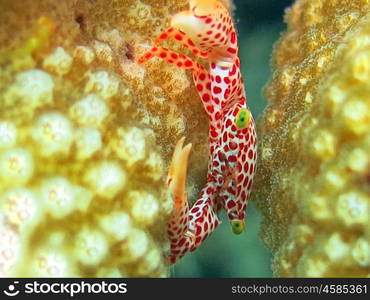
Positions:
(85, 137)
(314, 174)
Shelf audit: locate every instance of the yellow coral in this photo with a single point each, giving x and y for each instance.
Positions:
(313, 180)
(85, 134)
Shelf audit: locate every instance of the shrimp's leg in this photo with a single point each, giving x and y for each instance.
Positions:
(174, 33)
(201, 77)
(171, 57)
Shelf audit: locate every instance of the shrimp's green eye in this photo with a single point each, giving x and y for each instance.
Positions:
(237, 226)
(242, 118)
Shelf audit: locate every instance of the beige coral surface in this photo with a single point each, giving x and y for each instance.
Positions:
(313, 179)
(86, 136)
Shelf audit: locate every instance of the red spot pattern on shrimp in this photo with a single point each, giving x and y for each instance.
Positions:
(233, 38)
(188, 63)
(206, 97)
(232, 151)
(217, 90)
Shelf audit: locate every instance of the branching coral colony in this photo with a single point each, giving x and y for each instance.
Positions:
(81, 165)
(61, 210)
(208, 32)
(313, 180)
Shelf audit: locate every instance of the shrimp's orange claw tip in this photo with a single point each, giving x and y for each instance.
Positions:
(175, 159)
(176, 179)
(237, 226)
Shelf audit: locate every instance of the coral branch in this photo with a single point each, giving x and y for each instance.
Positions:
(313, 185)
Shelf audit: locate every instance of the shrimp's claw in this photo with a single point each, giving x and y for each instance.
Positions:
(176, 179)
(175, 159)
